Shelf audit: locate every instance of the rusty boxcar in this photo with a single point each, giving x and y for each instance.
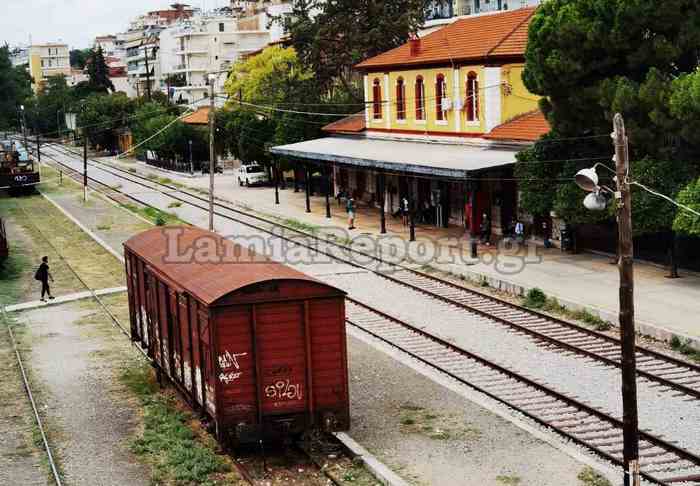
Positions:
(257, 346)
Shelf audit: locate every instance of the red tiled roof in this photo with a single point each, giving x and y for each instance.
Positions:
(473, 38)
(199, 117)
(528, 127)
(351, 124)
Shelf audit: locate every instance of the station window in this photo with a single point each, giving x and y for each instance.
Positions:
(472, 101)
(377, 99)
(221, 27)
(420, 99)
(400, 99)
(440, 93)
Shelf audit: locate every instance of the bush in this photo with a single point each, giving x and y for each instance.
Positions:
(535, 299)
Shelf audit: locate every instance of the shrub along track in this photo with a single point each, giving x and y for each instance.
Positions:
(670, 374)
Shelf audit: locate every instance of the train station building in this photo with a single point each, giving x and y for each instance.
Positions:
(445, 116)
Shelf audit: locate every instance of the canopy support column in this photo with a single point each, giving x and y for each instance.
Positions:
(327, 174)
(382, 201)
(307, 181)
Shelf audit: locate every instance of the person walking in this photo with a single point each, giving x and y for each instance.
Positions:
(404, 211)
(485, 230)
(350, 208)
(519, 231)
(43, 275)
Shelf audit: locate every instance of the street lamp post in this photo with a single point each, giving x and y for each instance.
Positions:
(587, 179)
(191, 160)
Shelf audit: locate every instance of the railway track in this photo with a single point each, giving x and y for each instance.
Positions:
(661, 461)
(668, 372)
(567, 416)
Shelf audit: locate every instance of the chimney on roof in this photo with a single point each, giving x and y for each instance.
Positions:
(414, 45)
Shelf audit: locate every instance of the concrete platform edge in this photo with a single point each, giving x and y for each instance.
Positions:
(383, 474)
(63, 299)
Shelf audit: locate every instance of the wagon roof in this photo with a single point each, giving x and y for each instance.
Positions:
(205, 264)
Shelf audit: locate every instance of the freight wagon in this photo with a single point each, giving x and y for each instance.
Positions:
(17, 171)
(257, 346)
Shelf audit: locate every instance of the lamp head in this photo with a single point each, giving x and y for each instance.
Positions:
(595, 202)
(587, 179)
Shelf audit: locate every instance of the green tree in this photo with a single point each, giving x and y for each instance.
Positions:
(592, 58)
(687, 222)
(273, 76)
(79, 57)
(15, 90)
(331, 37)
(103, 115)
(45, 112)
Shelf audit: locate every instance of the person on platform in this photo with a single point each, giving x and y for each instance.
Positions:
(485, 230)
(43, 275)
(351, 212)
(519, 231)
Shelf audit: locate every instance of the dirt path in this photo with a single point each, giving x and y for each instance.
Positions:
(20, 458)
(75, 360)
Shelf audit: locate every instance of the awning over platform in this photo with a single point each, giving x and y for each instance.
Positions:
(454, 161)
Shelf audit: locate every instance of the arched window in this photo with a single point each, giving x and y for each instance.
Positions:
(472, 101)
(377, 99)
(440, 94)
(420, 99)
(400, 99)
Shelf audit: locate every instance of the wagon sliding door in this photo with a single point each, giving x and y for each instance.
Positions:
(281, 354)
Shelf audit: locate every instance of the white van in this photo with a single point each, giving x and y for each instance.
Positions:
(252, 175)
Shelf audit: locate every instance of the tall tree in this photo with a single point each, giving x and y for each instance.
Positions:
(332, 36)
(98, 72)
(15, 89)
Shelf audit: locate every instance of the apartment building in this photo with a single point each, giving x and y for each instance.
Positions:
(442, 12)
(207, 44)
(46, 60)
(141, 44)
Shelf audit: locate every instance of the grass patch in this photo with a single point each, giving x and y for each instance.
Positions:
(535, 299)
(155, 216)
(300, 225)
(589, 477)
(509, 479)
(684, 347)
(175, 204)
(168, 443)
(104, 227)
(417, 420)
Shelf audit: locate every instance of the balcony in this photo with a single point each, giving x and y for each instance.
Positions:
(190, 51)
(182, 68)
(439, 10)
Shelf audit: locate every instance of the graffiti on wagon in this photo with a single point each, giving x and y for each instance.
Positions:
(230, 367)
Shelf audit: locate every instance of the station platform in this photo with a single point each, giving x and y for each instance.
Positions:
(664, 307)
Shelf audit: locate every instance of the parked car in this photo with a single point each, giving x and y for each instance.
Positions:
(252, 175)
(217, 170)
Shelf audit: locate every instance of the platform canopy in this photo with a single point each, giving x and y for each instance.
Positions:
(448, 160)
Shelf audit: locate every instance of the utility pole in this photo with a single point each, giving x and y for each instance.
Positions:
(212, 154)
(85, 177)
(38, 147)
(24, 127)
(627, 330)
(191, 160)
(148, 75)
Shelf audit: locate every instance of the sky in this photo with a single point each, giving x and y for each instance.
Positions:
(75, 22)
